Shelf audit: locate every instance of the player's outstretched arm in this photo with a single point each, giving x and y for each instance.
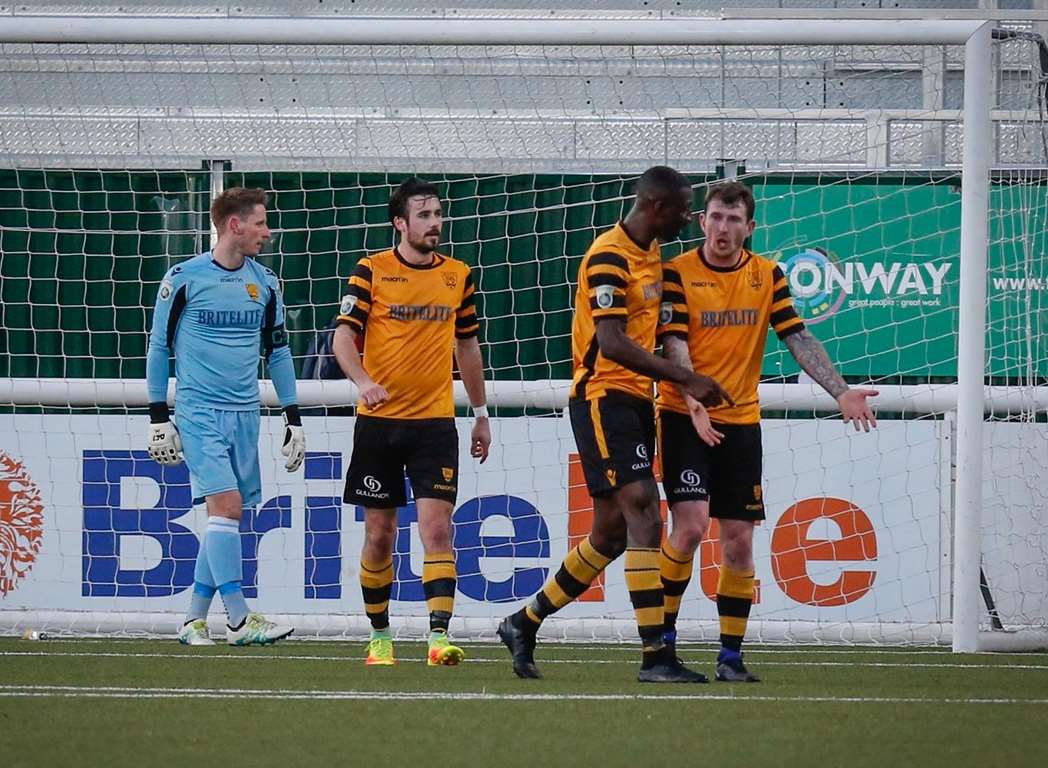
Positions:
(617, 346)
(812, 358)
(471, 367)
(163, 442)
(345, 348)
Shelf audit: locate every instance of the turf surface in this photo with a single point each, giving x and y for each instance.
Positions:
(150, 702)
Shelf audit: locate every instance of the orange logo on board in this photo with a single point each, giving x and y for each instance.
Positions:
(21, 523)
(793, 544)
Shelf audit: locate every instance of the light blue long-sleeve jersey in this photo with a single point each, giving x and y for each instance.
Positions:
(217, 322)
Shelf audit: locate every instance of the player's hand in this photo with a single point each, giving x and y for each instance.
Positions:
(164, 444)
(706, 390)
(480, 439)
(294, 439)
(700, 419)
(373, 395)
(855, 408)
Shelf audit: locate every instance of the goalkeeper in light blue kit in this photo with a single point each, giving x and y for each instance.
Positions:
(217, 312)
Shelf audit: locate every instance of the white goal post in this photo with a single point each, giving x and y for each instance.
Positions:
(968, 400)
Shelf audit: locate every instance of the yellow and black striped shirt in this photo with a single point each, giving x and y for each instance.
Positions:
(621, 279)
(724, 314)
(410, 316)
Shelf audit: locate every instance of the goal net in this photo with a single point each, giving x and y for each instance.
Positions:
(112, 145)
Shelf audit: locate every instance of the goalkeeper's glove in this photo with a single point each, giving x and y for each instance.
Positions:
(294, 439)
(164, 444)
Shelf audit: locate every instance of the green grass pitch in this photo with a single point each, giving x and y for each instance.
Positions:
(153, 702)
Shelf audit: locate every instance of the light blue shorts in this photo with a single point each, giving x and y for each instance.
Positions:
(221, 451)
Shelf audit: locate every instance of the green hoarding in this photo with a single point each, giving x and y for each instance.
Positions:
(873, 263)
(874, 267)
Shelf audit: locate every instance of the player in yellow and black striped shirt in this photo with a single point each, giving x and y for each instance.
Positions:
(613, 339)
(414, 307)
(718, 302)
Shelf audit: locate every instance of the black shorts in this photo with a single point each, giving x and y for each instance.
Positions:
(384, 449)
(728, 475)
(615, 435)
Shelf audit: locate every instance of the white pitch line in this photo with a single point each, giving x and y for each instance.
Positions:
(115, 692)
(357, 659)
(616, 647)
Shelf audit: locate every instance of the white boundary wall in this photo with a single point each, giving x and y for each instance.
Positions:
(107, 520)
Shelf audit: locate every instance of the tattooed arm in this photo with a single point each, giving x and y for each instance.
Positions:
(675, 350)
(812, 358)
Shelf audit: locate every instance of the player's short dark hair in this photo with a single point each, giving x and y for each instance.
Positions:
(730, 193)
(409, 188)
(661, 181)
(236, 201)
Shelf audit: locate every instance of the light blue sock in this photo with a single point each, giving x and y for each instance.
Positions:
(224, 558)
(236, 606)
(200, 602)
(203, 586)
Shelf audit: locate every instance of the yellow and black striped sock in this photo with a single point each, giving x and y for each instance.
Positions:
(580, 567)
(438, 584)
(734, 598)
(675, 568)
(376, 583)
(645, 587)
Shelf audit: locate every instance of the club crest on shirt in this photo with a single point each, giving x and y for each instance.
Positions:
(252, 291)
(755, 276)
(448, 473)
(450, 279)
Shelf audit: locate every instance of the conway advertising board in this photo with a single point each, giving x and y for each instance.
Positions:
(874, 269)
(90, 524)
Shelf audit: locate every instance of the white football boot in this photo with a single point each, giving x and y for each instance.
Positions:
(257, 630)
(195, 633)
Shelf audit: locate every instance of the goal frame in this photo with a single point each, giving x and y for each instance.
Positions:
(971, 398)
